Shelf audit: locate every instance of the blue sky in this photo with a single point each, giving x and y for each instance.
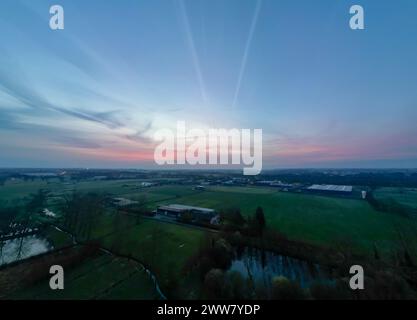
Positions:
(92, 95)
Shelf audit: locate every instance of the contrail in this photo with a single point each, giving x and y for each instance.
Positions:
(191, 44)
(247, 49)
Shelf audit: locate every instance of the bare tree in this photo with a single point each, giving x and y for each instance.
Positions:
(81, 212)
(35, 205)
(121, 222)
(7, 218)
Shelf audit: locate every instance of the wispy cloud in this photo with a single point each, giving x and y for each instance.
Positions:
(57, 137)
(75, 142)
(15, 84)
(247, 51)
(140, 135)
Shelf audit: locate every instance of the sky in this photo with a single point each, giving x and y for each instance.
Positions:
(94, 94)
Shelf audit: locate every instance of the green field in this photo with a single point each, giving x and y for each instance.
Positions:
(404, 196)
(321, 220)
(14, 190)
(102, 277)
(163, 247)
(327, 221)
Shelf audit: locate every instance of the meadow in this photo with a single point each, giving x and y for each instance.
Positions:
(327, 221)
(321, 220)
(164, 248)
(404, 196)
(100, 277)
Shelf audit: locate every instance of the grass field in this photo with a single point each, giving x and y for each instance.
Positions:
(102, 277)
(57, 238)
(163, 247)
(19, 189)
(321, 220)
(404, 196)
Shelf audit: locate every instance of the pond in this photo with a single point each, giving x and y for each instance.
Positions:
(22, 248)
(263, 267)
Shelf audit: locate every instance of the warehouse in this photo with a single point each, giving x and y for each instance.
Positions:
(177, 210)
(330, 189)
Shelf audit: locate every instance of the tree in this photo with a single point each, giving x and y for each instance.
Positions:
(35, 205)
(284, 289)
(257, 222)
(120, 224)
(142, 206)
(234, 217)
(37, 202)
(214, 283)
(7, 217)
(94, 206)
(260, 219)
(222, 254)
(154, 245)
(239, 286)
(81, 212)
(376, 253)
(71, 210)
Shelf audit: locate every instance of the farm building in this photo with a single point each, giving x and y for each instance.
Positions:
(330, 189)
(176, 210)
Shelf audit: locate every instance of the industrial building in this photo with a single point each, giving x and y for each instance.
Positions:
(330, 189)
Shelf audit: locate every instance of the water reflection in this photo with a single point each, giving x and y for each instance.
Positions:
(262, 266)
(21, 248)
